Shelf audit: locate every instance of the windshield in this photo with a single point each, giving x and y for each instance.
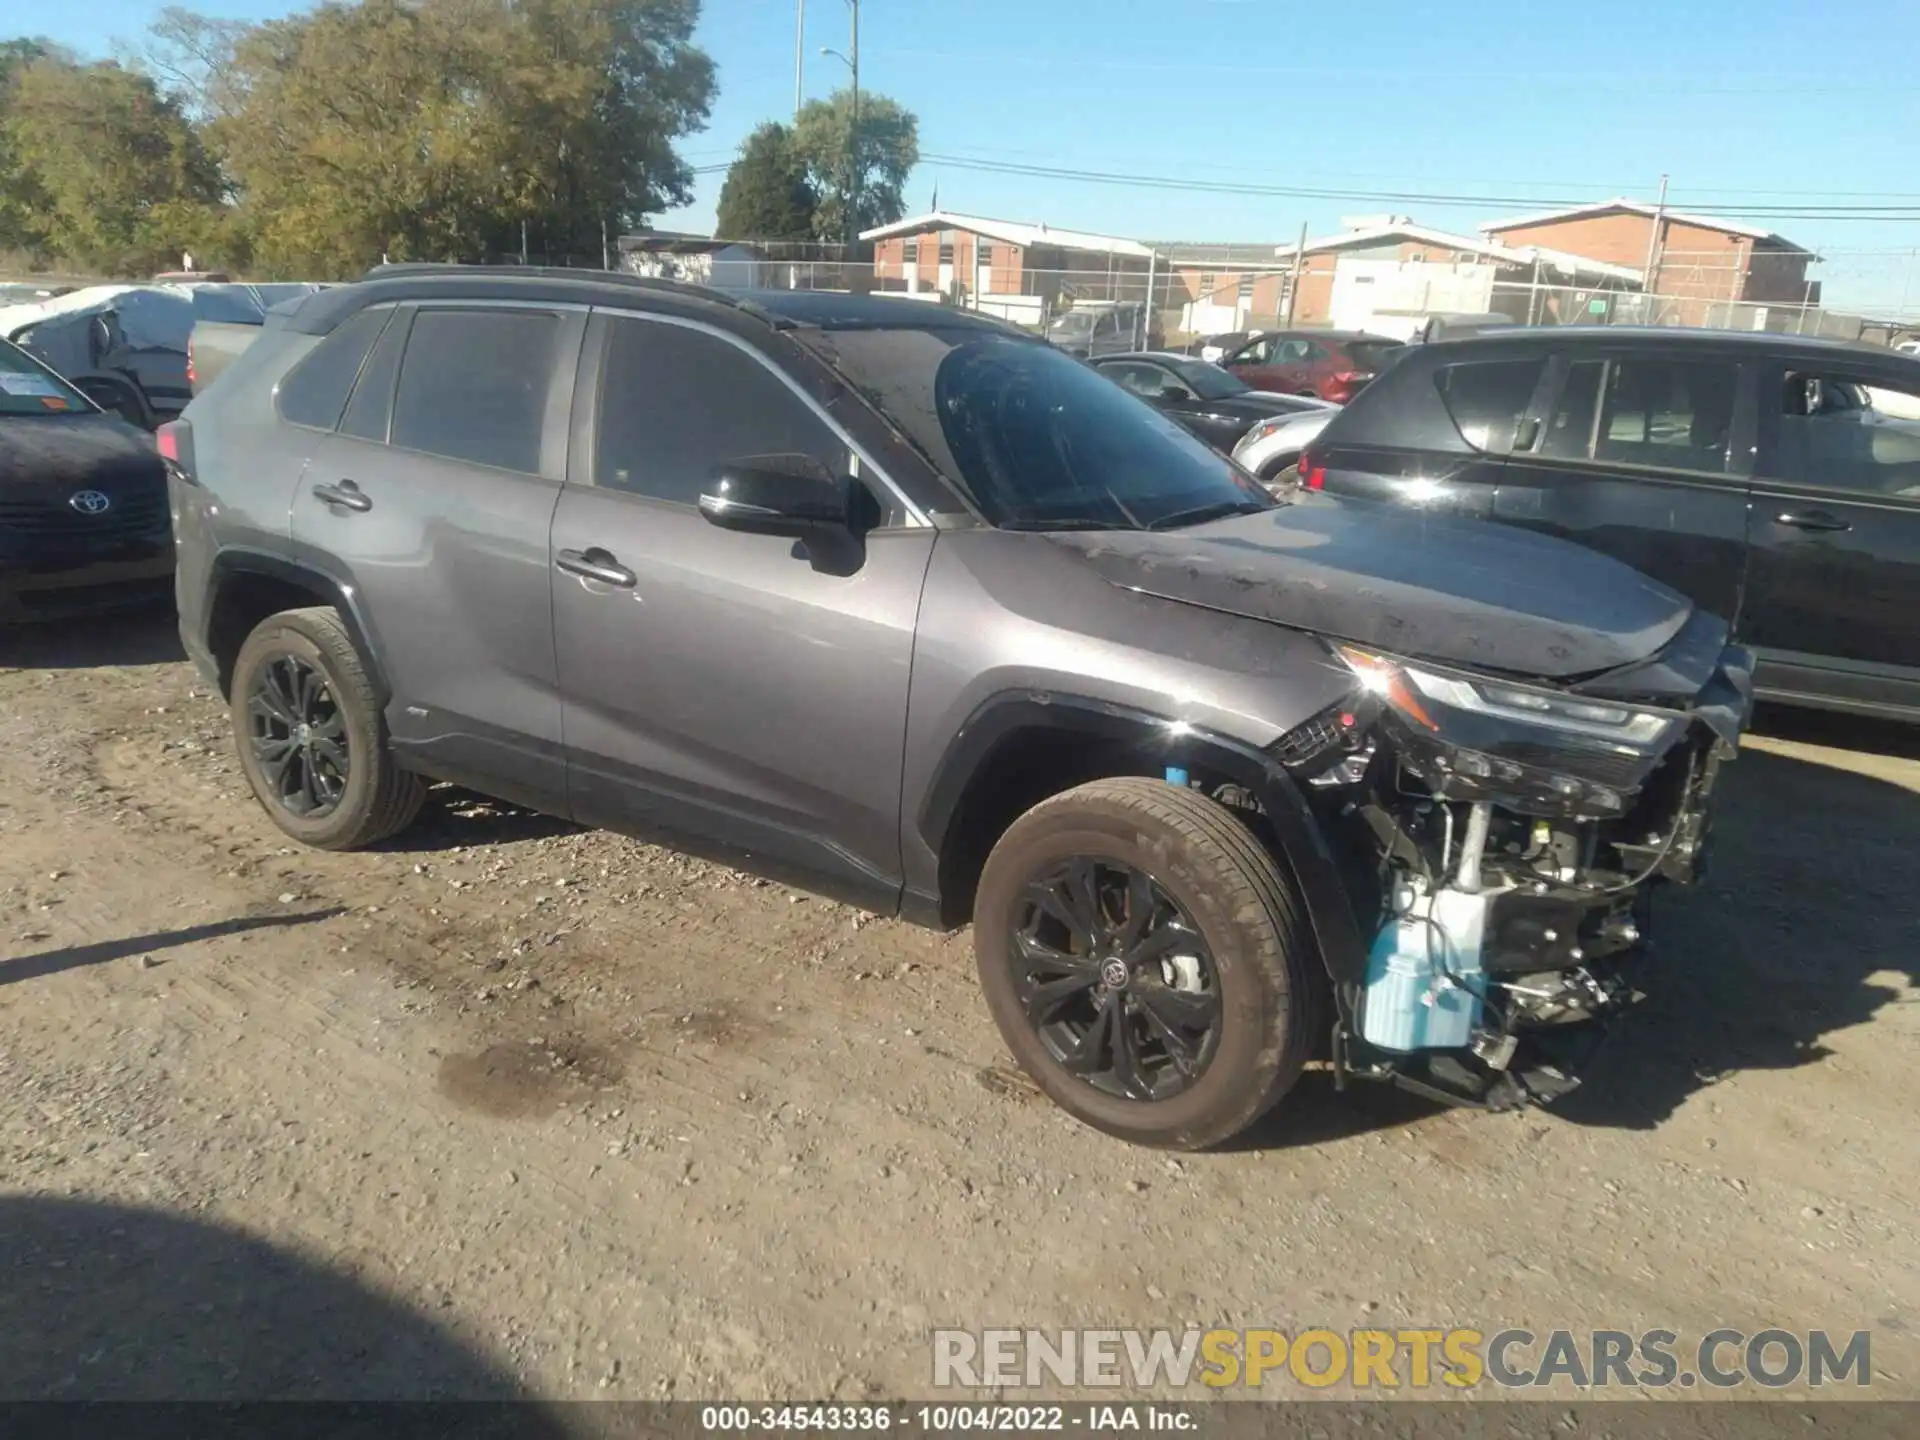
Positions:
(1209, 382)
(1075, 322)
(1037, 439)
(27, 388)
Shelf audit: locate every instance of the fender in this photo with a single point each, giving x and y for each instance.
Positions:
(1304, 848)
(232, 562)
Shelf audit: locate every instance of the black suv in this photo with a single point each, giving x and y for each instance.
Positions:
(1774, 479)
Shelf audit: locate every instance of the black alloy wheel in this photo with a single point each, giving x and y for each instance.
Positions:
(1116, 979)
(298, 736)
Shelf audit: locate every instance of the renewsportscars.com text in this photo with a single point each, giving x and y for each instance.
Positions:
(1409, 1359)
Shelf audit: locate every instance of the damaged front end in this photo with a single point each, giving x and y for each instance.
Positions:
(1505, 837)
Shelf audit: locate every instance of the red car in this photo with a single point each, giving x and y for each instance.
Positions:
(1332, 364)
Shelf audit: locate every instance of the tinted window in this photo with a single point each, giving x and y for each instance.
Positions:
(1674, 414)
(473, 386)
(371, 408)
(1142, 379)
(675, 403)
(1036, 438)
(1209, 382)
(1488, 398)
(1844, 434)
(1374, 355)
(316, 390)
(1569, 434)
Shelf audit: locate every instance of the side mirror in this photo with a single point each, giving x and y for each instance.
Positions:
(788, 495)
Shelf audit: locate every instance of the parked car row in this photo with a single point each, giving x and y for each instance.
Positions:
(127, 346)
(1386, 764)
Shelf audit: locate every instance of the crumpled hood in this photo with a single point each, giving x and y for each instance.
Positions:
(56, 454)
(1453, 590)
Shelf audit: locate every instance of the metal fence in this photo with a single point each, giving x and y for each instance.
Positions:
(1180, 293)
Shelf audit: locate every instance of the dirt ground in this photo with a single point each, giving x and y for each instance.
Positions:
(510, 1106)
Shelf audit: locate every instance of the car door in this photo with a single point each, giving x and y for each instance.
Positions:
(720, 692)
(1642, 454)
(430, 506)
(1307, 367)
(1833, 595)
(1254, 363)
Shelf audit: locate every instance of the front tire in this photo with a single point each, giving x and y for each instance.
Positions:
(1146, 960)
(312, 741)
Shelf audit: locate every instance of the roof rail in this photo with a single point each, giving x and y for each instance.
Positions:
(427, 269)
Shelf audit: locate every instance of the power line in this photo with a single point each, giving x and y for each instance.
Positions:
(1393, 197)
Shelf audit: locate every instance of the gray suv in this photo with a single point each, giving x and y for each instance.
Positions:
(905, 607)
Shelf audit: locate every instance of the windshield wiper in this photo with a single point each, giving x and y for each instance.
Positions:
(1200, 514)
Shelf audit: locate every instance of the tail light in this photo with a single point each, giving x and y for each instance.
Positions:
(1313, 474)
(174, 440)
(192, 378)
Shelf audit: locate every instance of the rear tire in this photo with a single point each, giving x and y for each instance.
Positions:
(1254, 961)
(312, 740)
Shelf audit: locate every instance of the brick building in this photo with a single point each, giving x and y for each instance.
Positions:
(1020, 271)
(1708, 266)
(1393, 267)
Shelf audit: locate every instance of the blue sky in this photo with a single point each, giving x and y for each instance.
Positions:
(1741, 102)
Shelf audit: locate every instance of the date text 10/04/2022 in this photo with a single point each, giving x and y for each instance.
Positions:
(939, 1419)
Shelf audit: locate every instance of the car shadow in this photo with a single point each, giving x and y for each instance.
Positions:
(74, 957)
(453, 816)
(105, 1302)
(1314, 1112)
(148, 636)
(1811, 901)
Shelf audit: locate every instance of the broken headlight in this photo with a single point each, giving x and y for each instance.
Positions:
(1474, 737)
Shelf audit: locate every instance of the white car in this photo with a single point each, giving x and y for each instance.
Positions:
(1273, 445)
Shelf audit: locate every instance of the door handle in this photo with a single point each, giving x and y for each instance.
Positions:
(1822, 520)
(346, 494)
(596, 564)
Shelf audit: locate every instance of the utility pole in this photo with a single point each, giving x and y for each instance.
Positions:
(853, 135)
(852, 179)
(799, 57)
(1299, 267)
(1650, 272)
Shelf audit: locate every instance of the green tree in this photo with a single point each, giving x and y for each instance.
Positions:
(871, 165)
(120, 179)
(437, 129)
(767, 195)
(20, 199)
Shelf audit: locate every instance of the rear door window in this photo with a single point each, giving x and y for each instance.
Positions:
(1570, 429)
(316, 391)
(474, 386)
(1672, 414)
(1488, 398)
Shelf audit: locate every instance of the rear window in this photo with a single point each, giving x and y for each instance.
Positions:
(1374, 355)
(27, 388)
(1488, 398)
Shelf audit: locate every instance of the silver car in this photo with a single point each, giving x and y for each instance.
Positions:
(1271, 446)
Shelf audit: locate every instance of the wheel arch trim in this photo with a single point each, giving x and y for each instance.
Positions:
(232, 563)
(1304, 849)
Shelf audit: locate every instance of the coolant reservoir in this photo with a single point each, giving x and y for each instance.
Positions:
(1424, 979)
